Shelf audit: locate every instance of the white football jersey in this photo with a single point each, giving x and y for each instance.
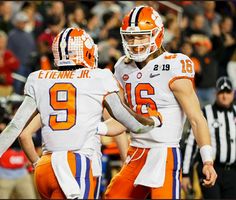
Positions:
(149, 86)
(71, 105)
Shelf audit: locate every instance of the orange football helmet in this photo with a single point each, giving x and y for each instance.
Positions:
(142, 21)
(73, 46)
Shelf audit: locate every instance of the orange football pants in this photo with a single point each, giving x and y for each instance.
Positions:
(47, 184)
(122, 185)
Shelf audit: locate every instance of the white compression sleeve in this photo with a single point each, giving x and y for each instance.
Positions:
(17, 124)
(123, 115)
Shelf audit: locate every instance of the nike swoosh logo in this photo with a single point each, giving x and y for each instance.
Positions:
(154, 75)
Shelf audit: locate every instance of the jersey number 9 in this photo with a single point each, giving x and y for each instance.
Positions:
(67, 104)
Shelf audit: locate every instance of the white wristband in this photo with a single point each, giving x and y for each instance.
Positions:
(206, 153)
(102, 129)
(156, 120)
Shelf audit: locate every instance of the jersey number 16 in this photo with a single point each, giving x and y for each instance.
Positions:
(139, 100)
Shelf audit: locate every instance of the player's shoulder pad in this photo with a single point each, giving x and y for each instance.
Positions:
(33, 75)
(181, 56)
(102, 73)
(120, 61)
(31, 82)
(107, 79)
(177, 60)
(173, 57)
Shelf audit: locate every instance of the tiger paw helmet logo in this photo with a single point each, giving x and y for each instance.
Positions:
(156, 18)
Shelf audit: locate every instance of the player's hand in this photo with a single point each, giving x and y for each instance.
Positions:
(186, 184)
(34, 164)
(210, 173)
(156, 114)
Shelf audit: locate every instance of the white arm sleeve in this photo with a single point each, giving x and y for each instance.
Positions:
(123, 116)
(17, 124)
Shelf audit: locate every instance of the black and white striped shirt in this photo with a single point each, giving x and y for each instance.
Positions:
(222, 126)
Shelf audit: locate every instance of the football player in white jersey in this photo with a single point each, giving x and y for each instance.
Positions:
(70, 101)
(151, 76)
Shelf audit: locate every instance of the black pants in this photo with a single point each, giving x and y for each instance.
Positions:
(225, 186)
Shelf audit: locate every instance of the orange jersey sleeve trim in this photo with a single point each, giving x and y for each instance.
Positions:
(180, 77)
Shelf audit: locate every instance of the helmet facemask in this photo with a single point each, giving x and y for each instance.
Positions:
(150, 46)
(142, 20)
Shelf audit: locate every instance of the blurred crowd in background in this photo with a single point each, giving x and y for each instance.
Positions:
(203, 30)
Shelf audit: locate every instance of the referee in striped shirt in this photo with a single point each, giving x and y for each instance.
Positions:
(221, 118)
